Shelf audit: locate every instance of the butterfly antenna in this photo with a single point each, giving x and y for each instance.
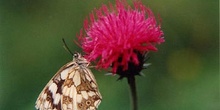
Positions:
(66, 47)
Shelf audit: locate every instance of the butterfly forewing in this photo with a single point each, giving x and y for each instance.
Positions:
(73, 87)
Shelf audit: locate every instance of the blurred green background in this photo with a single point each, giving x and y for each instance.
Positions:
(184, 74)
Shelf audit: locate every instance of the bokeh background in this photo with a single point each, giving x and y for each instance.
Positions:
(184, 74)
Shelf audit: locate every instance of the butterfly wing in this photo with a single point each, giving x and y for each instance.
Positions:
(51, 95)
(80, 90)
(71, 88)
(94, 96)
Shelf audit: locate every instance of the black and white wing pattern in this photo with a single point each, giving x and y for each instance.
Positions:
(73, 87)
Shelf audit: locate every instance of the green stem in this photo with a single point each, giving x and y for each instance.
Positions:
(132, 85)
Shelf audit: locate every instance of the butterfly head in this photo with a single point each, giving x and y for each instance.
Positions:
(77, 57)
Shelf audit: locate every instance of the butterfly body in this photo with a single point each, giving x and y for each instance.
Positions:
(73, 87)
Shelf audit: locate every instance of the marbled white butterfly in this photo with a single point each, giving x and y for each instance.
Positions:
(73, 87)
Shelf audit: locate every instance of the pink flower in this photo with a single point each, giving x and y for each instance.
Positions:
(120, 36)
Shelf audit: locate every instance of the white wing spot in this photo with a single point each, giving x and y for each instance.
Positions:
(71, 74)
(44, 96)
(64, 90)
(70, 106)
(53, 88)
(67, 91)
(57, 98)
(93, 85)
(64, 74)
(87, 77)
(90, 93)
(64, 107)
(91, 108)
(72, 91)
(84, 94)
(79, 98)
(77, 78)
(46, 104)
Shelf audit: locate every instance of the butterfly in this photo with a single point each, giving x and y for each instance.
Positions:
(73, 87)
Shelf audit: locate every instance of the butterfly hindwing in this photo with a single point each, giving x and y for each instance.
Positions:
(87, 92)
(80, 91)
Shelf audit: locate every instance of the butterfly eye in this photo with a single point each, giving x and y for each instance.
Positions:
(76, 55)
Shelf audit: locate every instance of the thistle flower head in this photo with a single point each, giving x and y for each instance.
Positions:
(119, 36)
